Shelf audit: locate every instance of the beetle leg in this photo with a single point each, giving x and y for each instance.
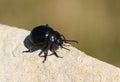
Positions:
(54, 53)
(43, 50)
(27, 51)
(40, 53)
(51, 47)
(45, 53)
(64, 47)
(45, 56)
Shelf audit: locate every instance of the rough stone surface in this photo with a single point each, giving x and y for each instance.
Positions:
(75, 66)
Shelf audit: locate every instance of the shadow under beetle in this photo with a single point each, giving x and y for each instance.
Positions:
(47, 38)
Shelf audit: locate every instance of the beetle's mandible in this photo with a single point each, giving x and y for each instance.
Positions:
(44, 36)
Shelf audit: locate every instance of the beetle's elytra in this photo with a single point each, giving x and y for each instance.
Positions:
(44, 35)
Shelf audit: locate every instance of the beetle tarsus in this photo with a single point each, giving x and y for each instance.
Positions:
(57, 55)
(27, 51)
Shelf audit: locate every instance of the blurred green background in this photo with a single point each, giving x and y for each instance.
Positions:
(94, 23)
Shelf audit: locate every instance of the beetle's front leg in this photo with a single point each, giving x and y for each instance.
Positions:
(53, 52)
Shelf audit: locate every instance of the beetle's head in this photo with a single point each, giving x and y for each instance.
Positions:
(56, 38)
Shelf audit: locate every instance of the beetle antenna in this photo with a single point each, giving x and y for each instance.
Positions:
(66, 41)
(71, 41)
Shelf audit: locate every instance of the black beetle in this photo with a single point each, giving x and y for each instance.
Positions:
(44, 36)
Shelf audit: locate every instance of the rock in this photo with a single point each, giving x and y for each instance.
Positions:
(75, 66)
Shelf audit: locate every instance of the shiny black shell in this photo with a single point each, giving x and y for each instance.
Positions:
(39, 34)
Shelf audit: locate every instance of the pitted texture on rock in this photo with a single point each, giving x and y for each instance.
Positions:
(75, 66)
